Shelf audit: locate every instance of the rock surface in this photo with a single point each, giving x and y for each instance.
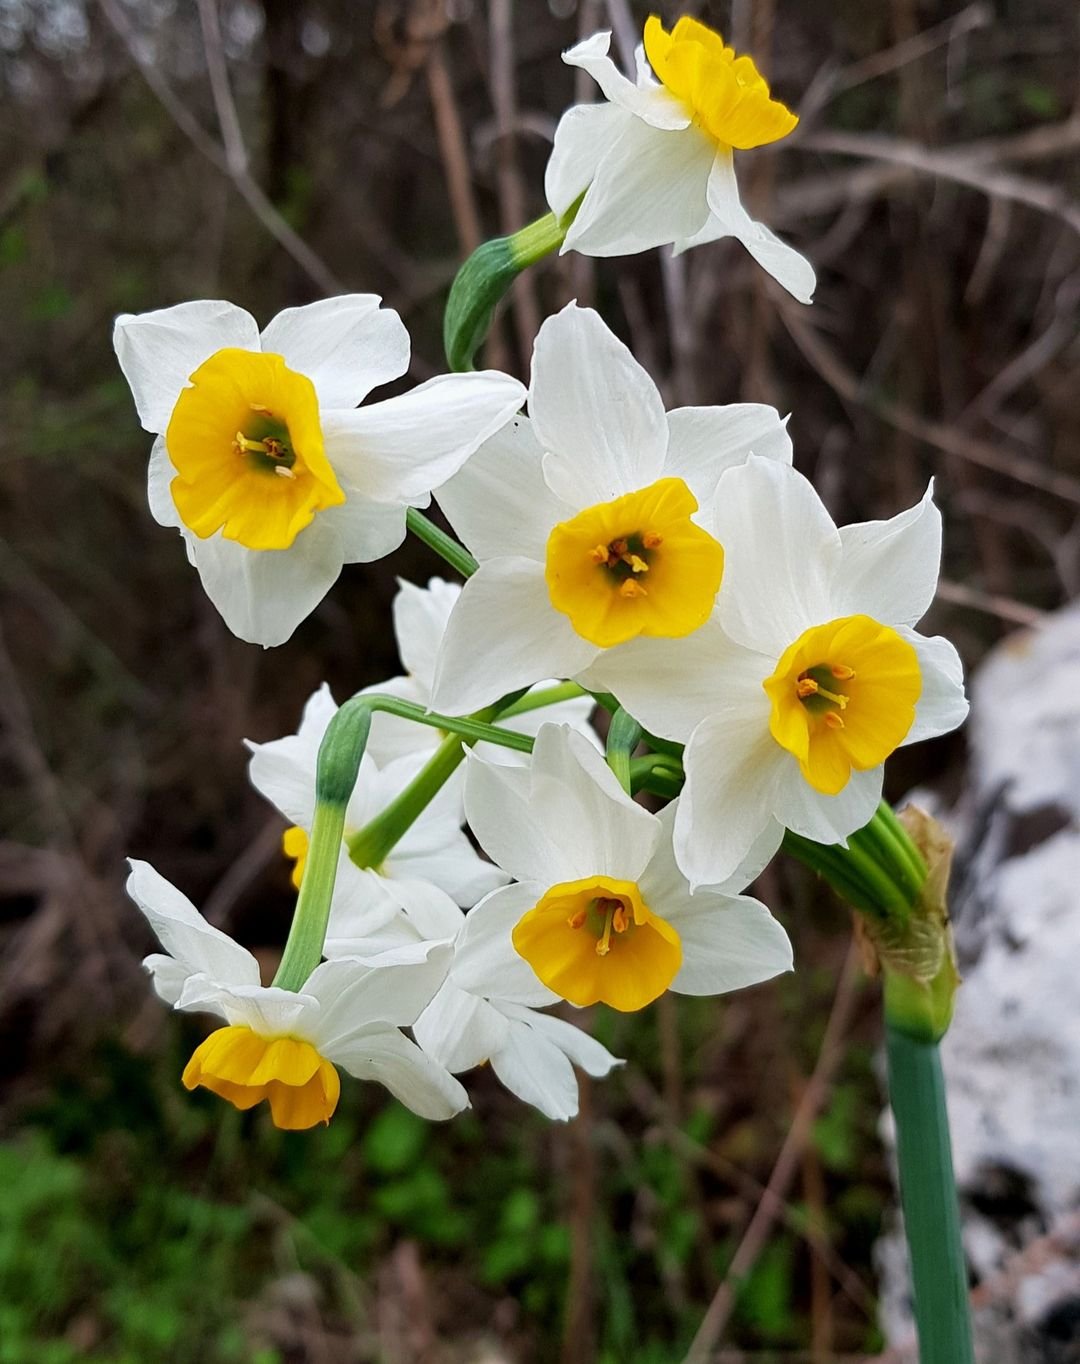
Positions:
(1012, 1055)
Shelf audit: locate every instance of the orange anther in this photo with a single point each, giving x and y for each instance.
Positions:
(806, 686)
(620, 920)
(577, 918)
(631, 588)
(842, 672)
(833, 720)
(651, 540)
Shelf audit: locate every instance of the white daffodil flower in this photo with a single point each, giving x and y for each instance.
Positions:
(591, 519)
(488, 1008)
(808, 676)
(420, 618)
(285, 1046)
(601, 912)
(656, 160)
(265, 462)
(433, 857)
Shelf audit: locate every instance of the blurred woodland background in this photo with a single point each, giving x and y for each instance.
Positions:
(272, 151)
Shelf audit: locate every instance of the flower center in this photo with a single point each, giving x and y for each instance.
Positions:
(247, 446)
(596, 940)
(635, 566)
(843, 696)
(726, 96)
(301, 1086)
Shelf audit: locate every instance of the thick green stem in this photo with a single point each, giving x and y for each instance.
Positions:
(457, 556)
(928, 1196)
(543, 696)
(624, 735)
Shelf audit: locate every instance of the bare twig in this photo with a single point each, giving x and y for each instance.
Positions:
(312, 264)
(991, 602)
(787, 1164)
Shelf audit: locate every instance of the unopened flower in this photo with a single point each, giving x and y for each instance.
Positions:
(285, 1047)
(489, 1006)
(265, 463)
(433, 853)
(420, 619)
(601, 911)
(655, 161)
(591, 519)
(808, 677)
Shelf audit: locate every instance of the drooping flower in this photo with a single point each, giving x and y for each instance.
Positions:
(654, 163)
(420, 618)
(601, 912)
(808, 676)
(433, 853)
(264, 461)
(285, 1047)
(489, 1006)
(591, 519)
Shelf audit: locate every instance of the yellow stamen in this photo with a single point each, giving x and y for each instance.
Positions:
(859, 720)
(725, 95)
(245, 416)
(596, 940)
(238, 1064)
(595, 563)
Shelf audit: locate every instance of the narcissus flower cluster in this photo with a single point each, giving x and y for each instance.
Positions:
(655, 601)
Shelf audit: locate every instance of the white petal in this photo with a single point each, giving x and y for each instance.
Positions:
(781, 552)
(430, 911)
(346, 346)
(584, 135)
(651, 103)
(159, 351)
(671, 685)
(159, 477)
(168, 975)
(667, 890)
(703, 442)
(504, 634)
(263, 595)
(889, 569)
(563, 819)
(448, 860)
(728, 943)
(942, 706)
(650, 189)
(485, 962)
(460, 1030)
(197, 946)
(826, 819)
(783, 262)
(594, 409)
(726, 807)
(420, 618)
(416, 1080)
(537, 1071)
(499, 503)
(283, 770)
(356, 994)
(365, 915)
(400, 449)
(367, 530)
(267, 1010)
(584, 1051)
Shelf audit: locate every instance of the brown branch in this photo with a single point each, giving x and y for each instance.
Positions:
(771, 1207)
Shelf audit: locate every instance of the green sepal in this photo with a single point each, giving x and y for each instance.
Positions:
(486, 276)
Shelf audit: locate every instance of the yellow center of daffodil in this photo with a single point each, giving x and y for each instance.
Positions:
(726, 96)
(302, 1087)
(247, 447)
(294, 844)
(597, 941)
(843, 696)
(635, 566)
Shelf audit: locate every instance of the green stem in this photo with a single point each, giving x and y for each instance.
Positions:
(543, 696)
(624, 735)
(928, 1196)
(456, 555)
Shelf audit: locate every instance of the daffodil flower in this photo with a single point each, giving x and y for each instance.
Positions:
(808, 677)
(655, 161)
(489, 1007)
(285, 1047)
(591, 519)
(420, 617)
(433, 857)
(265, 463)
(600, 910)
